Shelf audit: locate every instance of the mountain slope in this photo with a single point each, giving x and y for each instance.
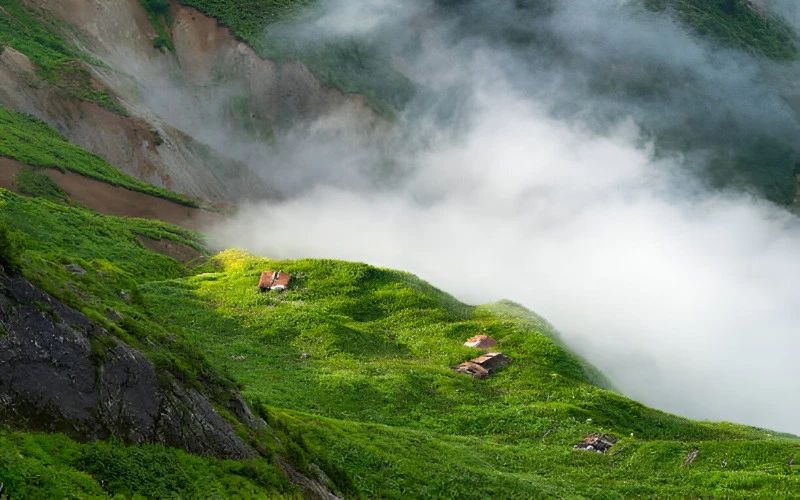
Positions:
(95, 345)
(45, 75)
(381, 345)
(170, 373)
(377, 398)
(197, 119)
(203, 114)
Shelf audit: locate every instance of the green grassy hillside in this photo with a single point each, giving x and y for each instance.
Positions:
(33, 142)
(40, 238)
(378, 399)
(36, 465)
(376, 405)
(735, 23)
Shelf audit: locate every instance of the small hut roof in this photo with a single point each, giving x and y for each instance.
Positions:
(266, 279)
(282, 279)
(483, 365)
(274, 280)
(596, 442)
(474, 369)
(481, 342)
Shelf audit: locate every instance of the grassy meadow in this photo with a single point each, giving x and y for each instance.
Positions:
(376, 405)
(378, 399)
(37, 465)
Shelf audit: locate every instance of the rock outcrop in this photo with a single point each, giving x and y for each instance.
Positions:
(63, 373)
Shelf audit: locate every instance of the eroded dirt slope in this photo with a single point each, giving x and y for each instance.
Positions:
(130, 143)
(115, 200)
(212, 90)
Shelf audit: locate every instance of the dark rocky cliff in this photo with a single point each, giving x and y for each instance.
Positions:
(63, 373)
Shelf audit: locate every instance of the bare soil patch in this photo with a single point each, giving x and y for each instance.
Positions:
(178, 251)
(114, 200)
(8, 171)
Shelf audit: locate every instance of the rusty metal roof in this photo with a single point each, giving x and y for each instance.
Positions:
(274, 280)
(267, 277)
(483, 365)
(282, 279)
(481, 342)
(474, 369)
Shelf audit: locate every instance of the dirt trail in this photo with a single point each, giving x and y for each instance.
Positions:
(114, 200)
(178, 251)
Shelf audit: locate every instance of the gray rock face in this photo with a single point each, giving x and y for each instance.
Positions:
(60, 372)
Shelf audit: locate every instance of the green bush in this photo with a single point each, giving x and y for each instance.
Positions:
(160, 42)
(157, 11)
(10, 250)
(156, 6)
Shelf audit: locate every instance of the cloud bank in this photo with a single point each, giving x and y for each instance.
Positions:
(685, 297)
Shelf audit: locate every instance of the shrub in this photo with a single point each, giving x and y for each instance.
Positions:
(157, 139)
(10, 250)
(157, 6)
(160, 42)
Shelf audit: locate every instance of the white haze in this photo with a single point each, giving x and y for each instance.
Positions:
(688, 300)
